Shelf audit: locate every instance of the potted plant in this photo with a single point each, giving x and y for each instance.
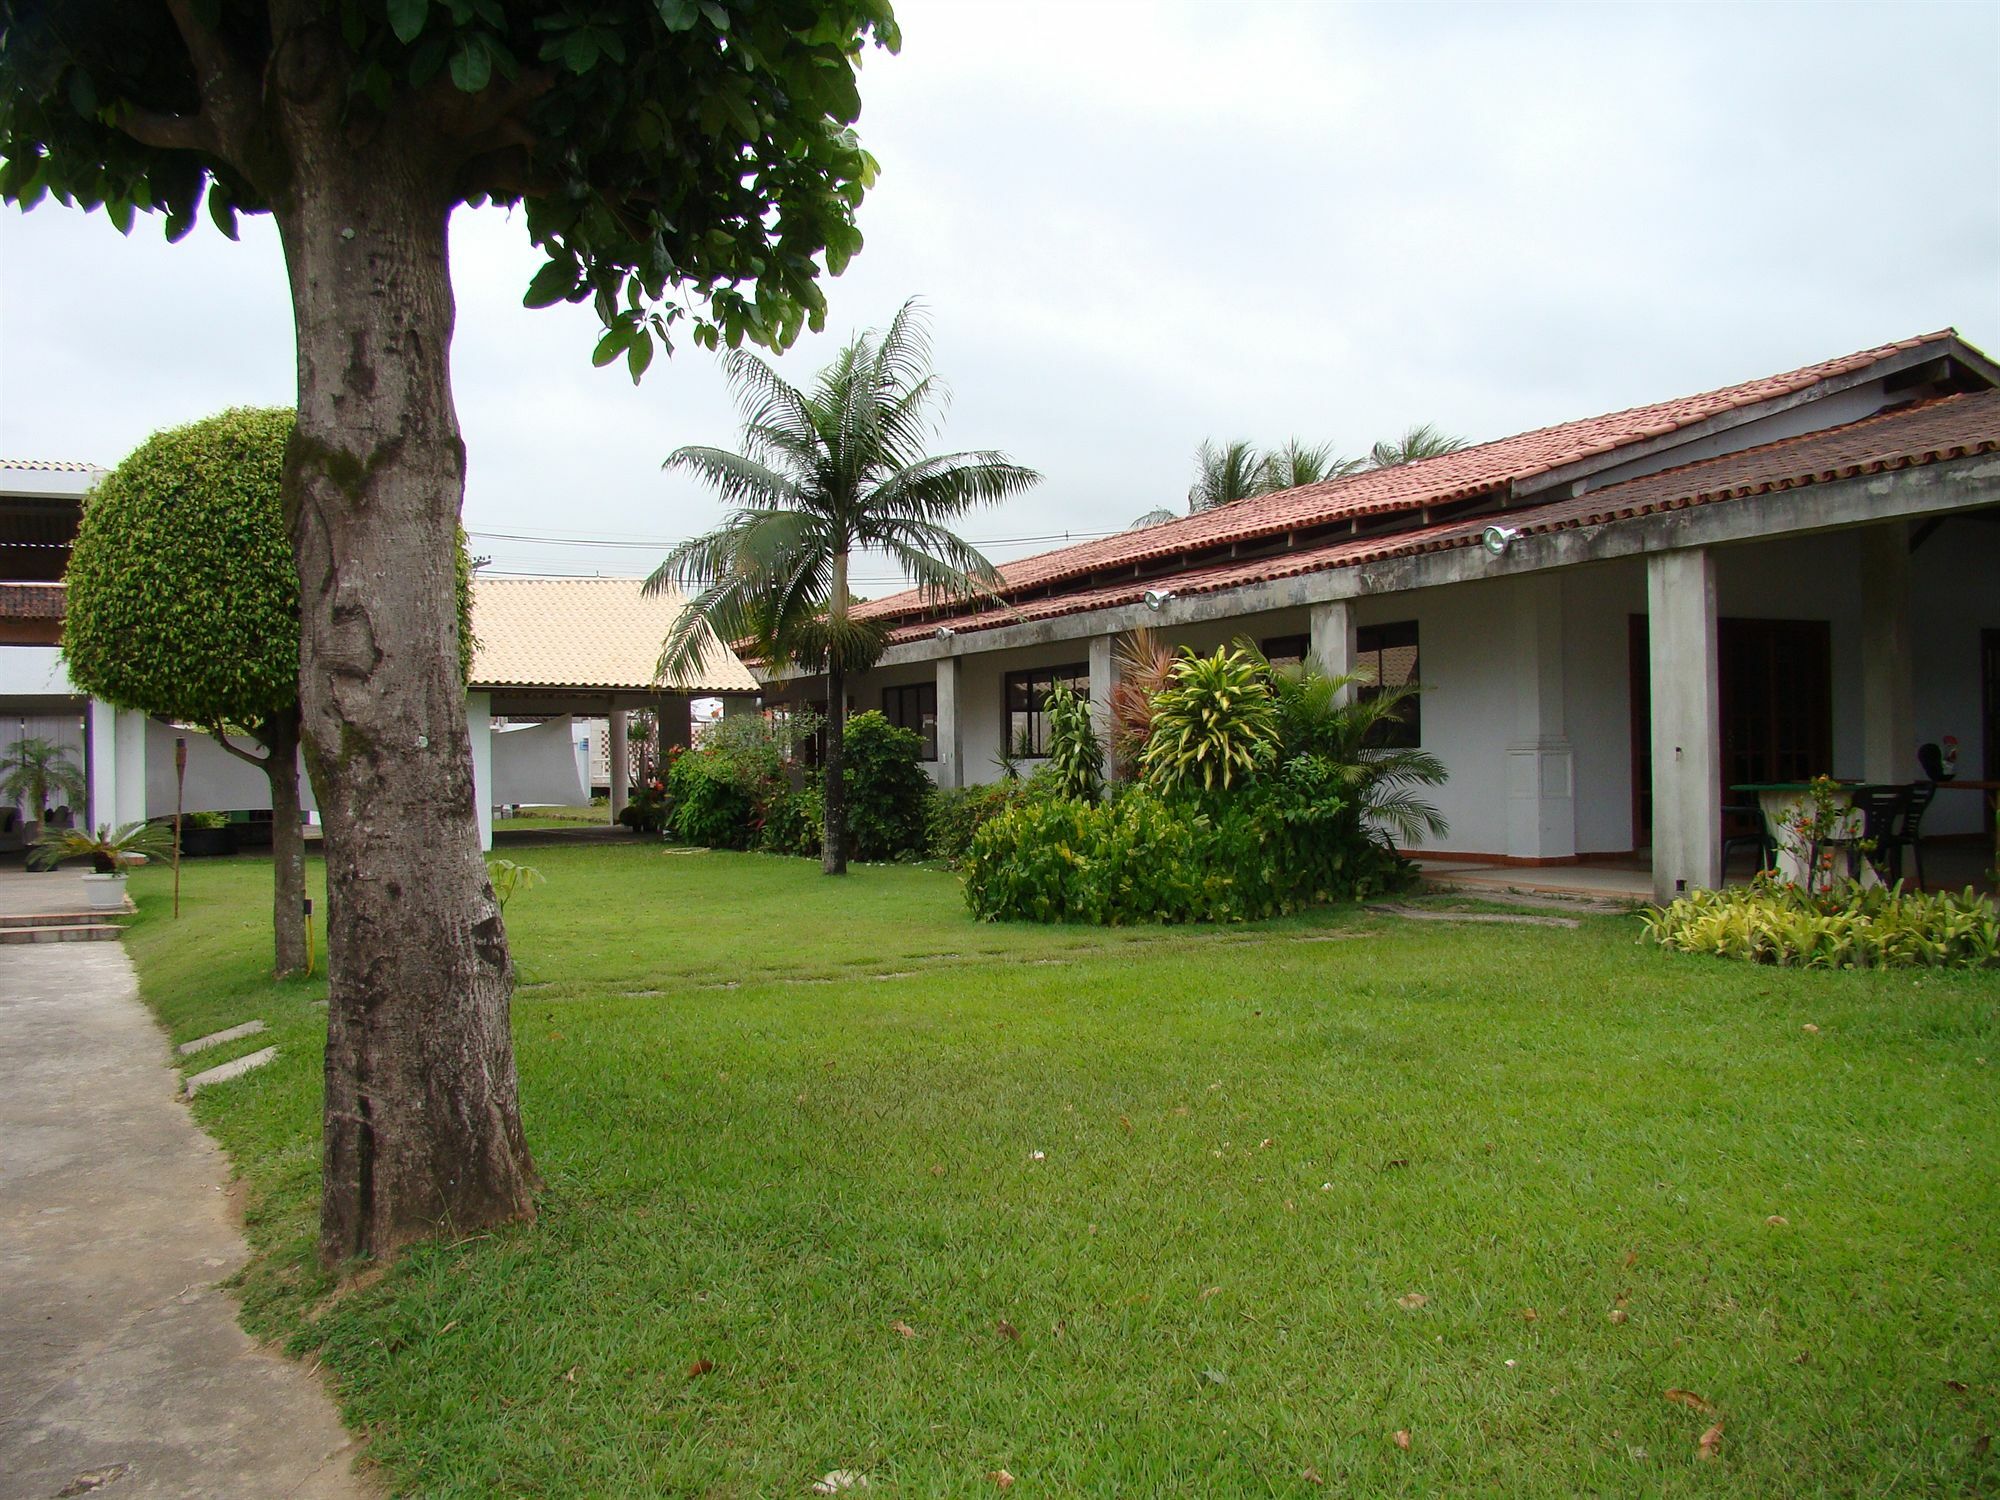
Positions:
(31, 772)
(111, 853)
(206, 833)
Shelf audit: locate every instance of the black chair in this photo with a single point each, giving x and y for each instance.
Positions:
(1759, 839)
(1883, 810)
(1910, 831)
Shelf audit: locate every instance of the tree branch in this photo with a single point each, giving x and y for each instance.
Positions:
(150, 127)
(216, 733)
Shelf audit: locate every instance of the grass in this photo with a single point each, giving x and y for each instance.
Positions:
(553, 817)
(781, 1118)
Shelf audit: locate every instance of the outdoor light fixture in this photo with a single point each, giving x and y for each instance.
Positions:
(945, 632)
(1497, 539)
(1157, 598)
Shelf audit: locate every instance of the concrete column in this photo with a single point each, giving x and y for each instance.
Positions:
(479, 728)
(1541, 794)
(1103, 678)
(100, 765)
(1888, 733)
(950, 741)
(1687, 722)
(1331, 652)
(621, 764)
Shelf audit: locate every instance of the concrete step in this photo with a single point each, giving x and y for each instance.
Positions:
(58, 918)
(71, 932)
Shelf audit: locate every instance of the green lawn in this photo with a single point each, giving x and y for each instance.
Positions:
(839, 1179)
(553, 817)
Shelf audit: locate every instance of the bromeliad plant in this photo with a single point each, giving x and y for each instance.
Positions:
(1847, 927)
(1214, 725)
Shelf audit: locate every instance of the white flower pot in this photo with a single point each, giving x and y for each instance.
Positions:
(106, 892)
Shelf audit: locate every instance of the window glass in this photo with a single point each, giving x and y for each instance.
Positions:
(914, 706)
(1025, 704)
(1385, 656)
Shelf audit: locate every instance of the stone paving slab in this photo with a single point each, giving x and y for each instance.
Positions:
(236, 1068)
(217, 1038)
(116, 1344)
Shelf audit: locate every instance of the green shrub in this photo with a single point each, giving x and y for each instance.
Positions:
(1848, 927)
(649, 807)
(1076, 756)
(952, 817)
(887, 790)
(1214, 724)
(712, 802)
(1141, 857)
(792, 822)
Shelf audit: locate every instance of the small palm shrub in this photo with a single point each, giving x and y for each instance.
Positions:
(1214, 725)
(1846, 927)
(1076, 755)
(887, 790)
(110, 850)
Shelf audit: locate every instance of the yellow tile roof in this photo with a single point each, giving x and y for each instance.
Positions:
(586, 633)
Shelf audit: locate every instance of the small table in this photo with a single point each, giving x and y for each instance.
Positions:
(1780, 802)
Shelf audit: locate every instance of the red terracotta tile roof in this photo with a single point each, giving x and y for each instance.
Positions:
(1946, 428)
(31, 601)
(1487, 468)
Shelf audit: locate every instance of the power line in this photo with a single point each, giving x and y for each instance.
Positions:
(554, 539)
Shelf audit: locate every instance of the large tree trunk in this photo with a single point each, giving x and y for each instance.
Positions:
(288, 843)
(422, 1126)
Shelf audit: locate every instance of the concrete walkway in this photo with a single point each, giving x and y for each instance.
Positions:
(120, 1359)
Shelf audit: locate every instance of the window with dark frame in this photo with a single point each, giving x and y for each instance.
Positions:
(1285, 650)
(1385, 656)
(1024, 703)
(914, 706)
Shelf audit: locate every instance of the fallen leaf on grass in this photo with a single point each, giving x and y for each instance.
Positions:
(841, 1479)
(1038, 1156)
(1688, 1399)
(1002, 1478)
(570, 1373)
(1529, 1315)
(1631, 1259)
(1215, 1377)
(1956, 1385)
(1311, 1476)
(1402, 1438)
(1810, 1029)
(1619, 1315)
(937, 1169)
(1265, 1144)
(1710, 1443)
(700, 1367)
(1401, 1161)
(899, 1326)
(1209, 1291)
(1412, 1300)
(1007, 1330)
(1777, 1221)
(1126, 1122)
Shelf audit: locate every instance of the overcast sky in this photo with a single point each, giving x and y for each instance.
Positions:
(1140, 225)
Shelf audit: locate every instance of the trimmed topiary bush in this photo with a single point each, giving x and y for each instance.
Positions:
(1849, 927)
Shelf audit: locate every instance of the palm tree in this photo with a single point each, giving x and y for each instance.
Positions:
(1341, 719)
(824, 473)
(1295, 464)
(1224, 473)
(1425, 440)
(35, 767)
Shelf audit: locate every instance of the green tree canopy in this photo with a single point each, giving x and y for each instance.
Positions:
(182, 600)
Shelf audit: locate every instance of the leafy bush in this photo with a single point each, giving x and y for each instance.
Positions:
(1213, 726)
(1141, 857)
(712, 801)
(1327, 720)
(1076, 756)
(952, 817)
(1848, 927)
(792, 822)
(649, 807)
(887, 790)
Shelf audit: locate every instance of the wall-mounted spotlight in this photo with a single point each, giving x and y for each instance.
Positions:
(1497, 539)
(945, 632)
(1157, 598)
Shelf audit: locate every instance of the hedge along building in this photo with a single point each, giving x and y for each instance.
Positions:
(1615, 620)
(549, 649)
